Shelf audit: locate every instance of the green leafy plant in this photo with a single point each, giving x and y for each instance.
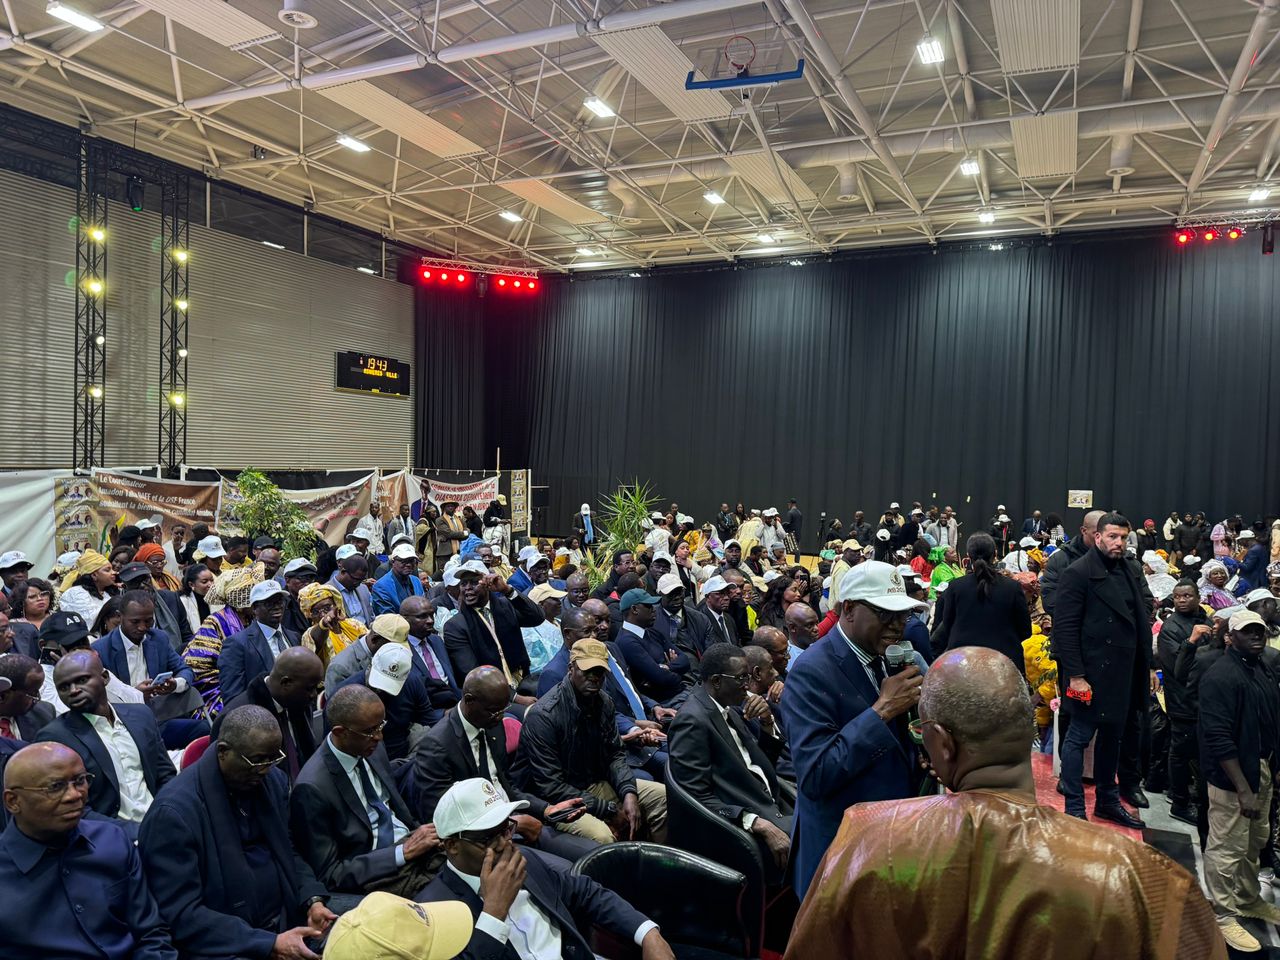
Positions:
(623, 515)
(266, 513)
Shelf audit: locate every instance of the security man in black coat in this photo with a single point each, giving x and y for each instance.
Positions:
(1102, 642)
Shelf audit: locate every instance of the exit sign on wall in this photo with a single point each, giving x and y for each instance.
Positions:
(369, 374)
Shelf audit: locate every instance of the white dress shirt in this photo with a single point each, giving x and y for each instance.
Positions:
(135, 797)
(399, 830)
(137, 660)
(276, 640)
(748, 818)
(473, 740)
(533, 934)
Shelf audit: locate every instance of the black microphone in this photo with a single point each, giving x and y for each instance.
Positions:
(895, 659)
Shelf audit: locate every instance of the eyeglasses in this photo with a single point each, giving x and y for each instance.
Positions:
(373, 734)
(490, 839)
(739, 678)
(886, 616)
(58, 788)
(261, 764)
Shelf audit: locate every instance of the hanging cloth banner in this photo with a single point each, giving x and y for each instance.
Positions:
(121, 499)
(26, 515)
(333, 511)
(474, 495)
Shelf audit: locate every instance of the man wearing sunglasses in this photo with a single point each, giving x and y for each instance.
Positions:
(71, 887)
(844, 714)
(522, 907)
(215, 848)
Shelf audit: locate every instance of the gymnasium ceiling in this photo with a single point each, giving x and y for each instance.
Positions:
(1072, 114)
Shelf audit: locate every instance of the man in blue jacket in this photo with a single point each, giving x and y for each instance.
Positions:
(399, 583)
(845, 716)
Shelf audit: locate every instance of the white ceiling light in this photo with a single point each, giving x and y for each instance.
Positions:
(368, 270)
(510, 217)
(586, 252)
(73, 17)
(986, 216)
(351, 143)
(969, 167)
(995, 246)
(1259, 195)
(796, 263)
(599, 108)
(765, 238)
(930, 50)
(273, 246)
(635, 275)
(713, 198)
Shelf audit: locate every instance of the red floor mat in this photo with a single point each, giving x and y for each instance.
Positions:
(1047, 793)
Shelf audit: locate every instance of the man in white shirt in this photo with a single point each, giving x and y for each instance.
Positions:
(658, 539)
(518, 902)
(70, 632)
(771, 533)
(120, 745)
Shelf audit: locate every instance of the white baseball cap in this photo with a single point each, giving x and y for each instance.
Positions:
(344, 551)
(530, 562)
(733, 543)
(146, 524)
(882, 534)
(656, 515)
(1245, 534)
(265, 591)
(771, 512)
(390, 668)
(299, 564)
(68, 559)
(878, 584)
(360, 533)
(14, 558)
(771, 575)
(562, 551)
(470, 806)
(661, 555)
(1003, 518)
(404, 551)
(211, 546)
(471, 566)
(1028, 542)
(526, 552)
(895, 505)
(668, 582)
(906, 571)
(1257, 596)
(714, 585)
(451, 577)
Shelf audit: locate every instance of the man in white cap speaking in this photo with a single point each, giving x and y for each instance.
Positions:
(521, 907)
(845, 707)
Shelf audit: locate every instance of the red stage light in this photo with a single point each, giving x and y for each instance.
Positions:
(1210, 235)
(502, 282)
(426, 274)
(1184, 235)
(516, 284)
(1234, 233)
(462, 278)
(532, 285)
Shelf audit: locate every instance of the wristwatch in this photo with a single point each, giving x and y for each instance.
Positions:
(611, 808)
(313, 901)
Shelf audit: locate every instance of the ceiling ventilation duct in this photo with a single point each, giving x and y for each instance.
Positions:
(294, 14)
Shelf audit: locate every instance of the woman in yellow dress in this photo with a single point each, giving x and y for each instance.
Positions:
(331, 630)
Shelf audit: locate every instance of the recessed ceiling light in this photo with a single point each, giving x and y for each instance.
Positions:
(633, 274)
(273, 246)
(969, 167)
(930, 50)
(986, 216)
(765, 238)
(510, 216)
(1259, 194)
(713, 198)
(74, 17)
(599, 107)
(351, 143)
(796, 263)
(995, 246)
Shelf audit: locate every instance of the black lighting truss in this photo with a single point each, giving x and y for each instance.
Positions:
(89, 381)
(175, 229)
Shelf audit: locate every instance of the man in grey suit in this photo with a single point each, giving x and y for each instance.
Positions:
(388, 628)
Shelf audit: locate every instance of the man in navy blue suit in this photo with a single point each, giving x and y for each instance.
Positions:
(252, 652)
(514, 897)
(658, 667)
(119, 743)
(427, 645)
(72, 888)
(845, 716)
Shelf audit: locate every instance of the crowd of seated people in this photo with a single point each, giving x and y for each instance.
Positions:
(217, 751)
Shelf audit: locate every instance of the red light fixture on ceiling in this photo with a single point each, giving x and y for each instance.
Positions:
(1184, 236)
(1234, 232)
(460, 276)
(1211, 234)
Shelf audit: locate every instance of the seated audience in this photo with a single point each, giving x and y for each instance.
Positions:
(570, 742)
(543, 641)
(948, 875)
(717, 598)
(802, 629)
(91, 582)
(399, 583)
(329, 631)
(289, 692)
(120, 744)
(204, 653)
(682, 626)
(658, 668)
(387, 927)
(253, 650)
(73, 887)
(486, 631)
(356, 656)
(428, 648)
(297, 575)
(522, 907)
(406, 699)
(717, 759)
(471, 742)
(348, 820)
(29, 607)
(348, 580)
(63, 632)
(22, 713)
(215, 847)
(171, 619)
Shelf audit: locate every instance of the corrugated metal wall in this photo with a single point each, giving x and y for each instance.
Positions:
(264, 325)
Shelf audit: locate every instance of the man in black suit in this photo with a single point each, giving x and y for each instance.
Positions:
(486, 630)
(428, 646)
(487, 872)
(658, 668)
(715, 757)
(471, 742)
(685, 628)
(1102, 642)
(289, 692)
(716, 598)
(22, 713)
(120, 744)
(215, 848)
(171, 618)
(251, 652)
(624, 562)
(347, 819)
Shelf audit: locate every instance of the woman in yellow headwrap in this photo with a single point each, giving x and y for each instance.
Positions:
(203, 651)
(89, 585)
(331, 630)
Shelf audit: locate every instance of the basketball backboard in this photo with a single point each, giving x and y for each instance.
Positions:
(743, 62)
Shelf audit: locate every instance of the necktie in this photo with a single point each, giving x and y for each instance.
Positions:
(379, 813)
(277, 642)
(877, 667)
(6, 728)
(637, 708)
(724, 627)
(290, 748)
(425, 653)
(482, 752)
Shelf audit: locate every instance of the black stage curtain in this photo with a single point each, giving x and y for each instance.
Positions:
(970, 377)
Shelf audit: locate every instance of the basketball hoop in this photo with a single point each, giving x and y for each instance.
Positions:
(740, 51)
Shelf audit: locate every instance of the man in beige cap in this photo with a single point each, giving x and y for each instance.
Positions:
(388, 628)
(522, 907)
(387, 927)
(570, 740)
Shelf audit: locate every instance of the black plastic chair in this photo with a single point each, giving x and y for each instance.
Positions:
(692, 827)
(697, 903)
